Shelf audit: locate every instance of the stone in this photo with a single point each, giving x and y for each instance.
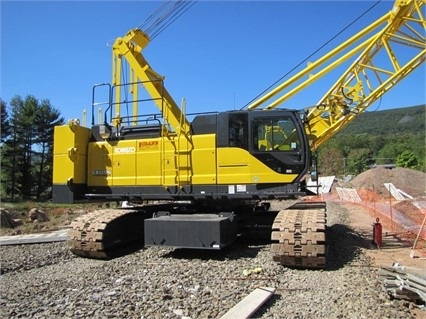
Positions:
(6, 219)
(36, 214)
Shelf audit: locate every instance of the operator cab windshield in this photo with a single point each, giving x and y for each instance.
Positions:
(275, 134)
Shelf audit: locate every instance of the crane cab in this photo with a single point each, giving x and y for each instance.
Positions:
(264, 151)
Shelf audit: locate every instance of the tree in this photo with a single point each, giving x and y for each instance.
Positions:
(46, 118)
(407, 159)
(5, 133)
(11, 149)
(358, 161)
(23, 116)
(27, 158)
(5, 126)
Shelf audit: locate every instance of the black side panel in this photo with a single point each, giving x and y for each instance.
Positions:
(202, 193)
(97, 131)
(141, 131)
(62, 194)
(204, 124)
(128, 132)
(222, 130)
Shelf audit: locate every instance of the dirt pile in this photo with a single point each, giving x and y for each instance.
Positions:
(410, 210)
(403, 216)
(408, 180)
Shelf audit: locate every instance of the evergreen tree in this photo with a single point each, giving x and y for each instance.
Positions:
(46, 118)
(11, 148)
(23, 115)
(28, 151)
(5, 126)
(5, 134)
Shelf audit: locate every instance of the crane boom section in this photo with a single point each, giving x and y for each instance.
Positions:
(393, 53)
(327, 58)
(388, 50)
(130, 48)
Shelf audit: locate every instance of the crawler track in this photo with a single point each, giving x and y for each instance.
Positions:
(99, 234)
(298, 235)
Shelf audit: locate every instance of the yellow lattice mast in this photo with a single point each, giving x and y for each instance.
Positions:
(386, 51)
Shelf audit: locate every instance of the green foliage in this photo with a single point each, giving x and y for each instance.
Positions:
(4, 125)
(388, 122)
(407, 159)
(5, 133)
(378, 138)
(358, 160)
(27, 151)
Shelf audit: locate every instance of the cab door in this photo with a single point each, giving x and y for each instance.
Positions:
(279, 141)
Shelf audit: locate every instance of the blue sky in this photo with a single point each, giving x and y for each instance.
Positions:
(218, 55)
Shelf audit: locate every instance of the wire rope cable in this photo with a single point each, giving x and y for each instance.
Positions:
(168, 12)
(309, 56)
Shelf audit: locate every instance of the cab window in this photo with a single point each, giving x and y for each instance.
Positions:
(275, 134)
(238, 132)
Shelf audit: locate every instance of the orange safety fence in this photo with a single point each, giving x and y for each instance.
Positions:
(402, 218)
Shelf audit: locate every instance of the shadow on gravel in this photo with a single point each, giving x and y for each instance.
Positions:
(391, 241)
(343, 246)
(233, 252)
(124, 250)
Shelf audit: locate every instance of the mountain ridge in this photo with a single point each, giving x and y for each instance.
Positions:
(387, 122)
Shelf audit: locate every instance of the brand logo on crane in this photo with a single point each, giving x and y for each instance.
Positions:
(148, 145)
(123, 150)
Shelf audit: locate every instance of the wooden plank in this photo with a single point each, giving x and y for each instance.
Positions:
(417, 279)
(250, 304)
(59, 235)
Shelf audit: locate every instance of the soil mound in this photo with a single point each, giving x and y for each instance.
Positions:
(408, 180)
(410, 210)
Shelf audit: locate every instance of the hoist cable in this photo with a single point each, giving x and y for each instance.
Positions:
(164, 16)
(174, 17)
(152, 16)
(308, 57)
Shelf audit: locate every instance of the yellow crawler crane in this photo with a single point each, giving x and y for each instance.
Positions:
(201, 183)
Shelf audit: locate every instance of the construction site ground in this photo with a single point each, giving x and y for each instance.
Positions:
(396, 247)
(401, 220)
(374, 202)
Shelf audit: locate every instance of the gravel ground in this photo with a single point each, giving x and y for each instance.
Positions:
(47, 281)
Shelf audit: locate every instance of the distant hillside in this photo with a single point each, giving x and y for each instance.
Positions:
(402, 120)
(395, 136)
